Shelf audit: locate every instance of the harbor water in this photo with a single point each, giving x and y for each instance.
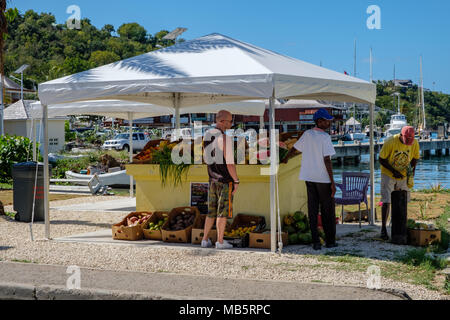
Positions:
(429, 172)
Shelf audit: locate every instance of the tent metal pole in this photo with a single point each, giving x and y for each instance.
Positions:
(46, 172)
(176, 105)
(33, 126)
(273, 221)
(372, 167)
(130, 118)
(261, 122)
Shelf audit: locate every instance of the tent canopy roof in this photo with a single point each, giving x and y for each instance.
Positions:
(207, 70)
(130, 110)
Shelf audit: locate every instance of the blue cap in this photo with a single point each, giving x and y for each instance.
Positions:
(322, 114)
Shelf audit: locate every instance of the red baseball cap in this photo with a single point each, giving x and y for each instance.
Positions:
(408, 135)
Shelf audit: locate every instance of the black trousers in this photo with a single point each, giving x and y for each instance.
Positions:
(319, 197)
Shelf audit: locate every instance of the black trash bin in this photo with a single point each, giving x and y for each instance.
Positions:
(399, 231)
(24, 185)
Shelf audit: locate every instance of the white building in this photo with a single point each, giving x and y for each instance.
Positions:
(352, 125)
(18, 121)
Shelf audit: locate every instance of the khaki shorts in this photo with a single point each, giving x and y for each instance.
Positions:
(389, 184)
(220, 200)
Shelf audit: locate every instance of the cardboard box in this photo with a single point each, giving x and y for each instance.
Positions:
(246, 220)
(262, 240)
(423, 237)
(198, 228)
(180, 236)
(243, 221)
(121, 231)
(155, 234)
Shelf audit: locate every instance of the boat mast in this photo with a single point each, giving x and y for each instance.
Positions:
(422, 97)
(354, 74)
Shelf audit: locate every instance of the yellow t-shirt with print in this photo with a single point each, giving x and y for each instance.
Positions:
(398, 155)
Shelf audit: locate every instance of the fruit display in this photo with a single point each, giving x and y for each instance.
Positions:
(147, 155)
(159, 151)
(135, 220)
(297, 227)
(157, 225)
(239, 232)
(181, 221)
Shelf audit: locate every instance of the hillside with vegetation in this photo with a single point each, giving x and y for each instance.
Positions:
(437, 104)
(52, 51)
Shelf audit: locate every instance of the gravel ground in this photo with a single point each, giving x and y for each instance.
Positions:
(297, 263)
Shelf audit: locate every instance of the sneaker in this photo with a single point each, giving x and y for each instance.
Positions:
(317, 246)
(224, 245)
(331, 245)
(206, 244)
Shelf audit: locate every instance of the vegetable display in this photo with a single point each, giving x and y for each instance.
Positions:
(181, 222)
(158, 224)
(297, 227)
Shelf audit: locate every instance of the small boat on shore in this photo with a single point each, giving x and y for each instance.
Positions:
(118, 178)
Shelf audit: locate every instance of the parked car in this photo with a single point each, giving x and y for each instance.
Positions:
(122, 142)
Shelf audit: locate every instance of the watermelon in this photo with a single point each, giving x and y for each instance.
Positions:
(293, 238)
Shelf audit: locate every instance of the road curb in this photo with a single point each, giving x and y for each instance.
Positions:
(15, 291)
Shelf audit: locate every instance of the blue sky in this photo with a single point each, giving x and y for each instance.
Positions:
(321, 31)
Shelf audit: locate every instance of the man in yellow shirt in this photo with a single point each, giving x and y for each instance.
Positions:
(397, 155)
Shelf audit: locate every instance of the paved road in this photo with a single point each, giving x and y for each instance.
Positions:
(42, 282)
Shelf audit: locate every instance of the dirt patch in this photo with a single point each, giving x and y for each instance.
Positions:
(6, 197)
(423, 206)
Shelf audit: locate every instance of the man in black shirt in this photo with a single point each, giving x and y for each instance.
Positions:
(223, 181)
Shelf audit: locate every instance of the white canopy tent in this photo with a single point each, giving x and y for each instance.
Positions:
(208, 70)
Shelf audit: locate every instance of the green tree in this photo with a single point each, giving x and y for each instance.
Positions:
(99, 58)
(133, 31)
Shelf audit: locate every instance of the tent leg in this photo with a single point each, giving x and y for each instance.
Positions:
(46, 173)
(273, 158)
(33, 125)
(372, 167)
(176, 105)
(130, 117)
(261, 122)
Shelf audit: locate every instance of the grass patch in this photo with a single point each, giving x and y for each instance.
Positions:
(6, 186)
(22, 261)
(122, 192)
(443, 225)
(418, 267)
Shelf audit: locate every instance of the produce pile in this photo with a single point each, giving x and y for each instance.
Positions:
(134, 221)
(239, 232)
(181, 222)
(413, 225)
(158, 224)
(297, 227)
(151, 149)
